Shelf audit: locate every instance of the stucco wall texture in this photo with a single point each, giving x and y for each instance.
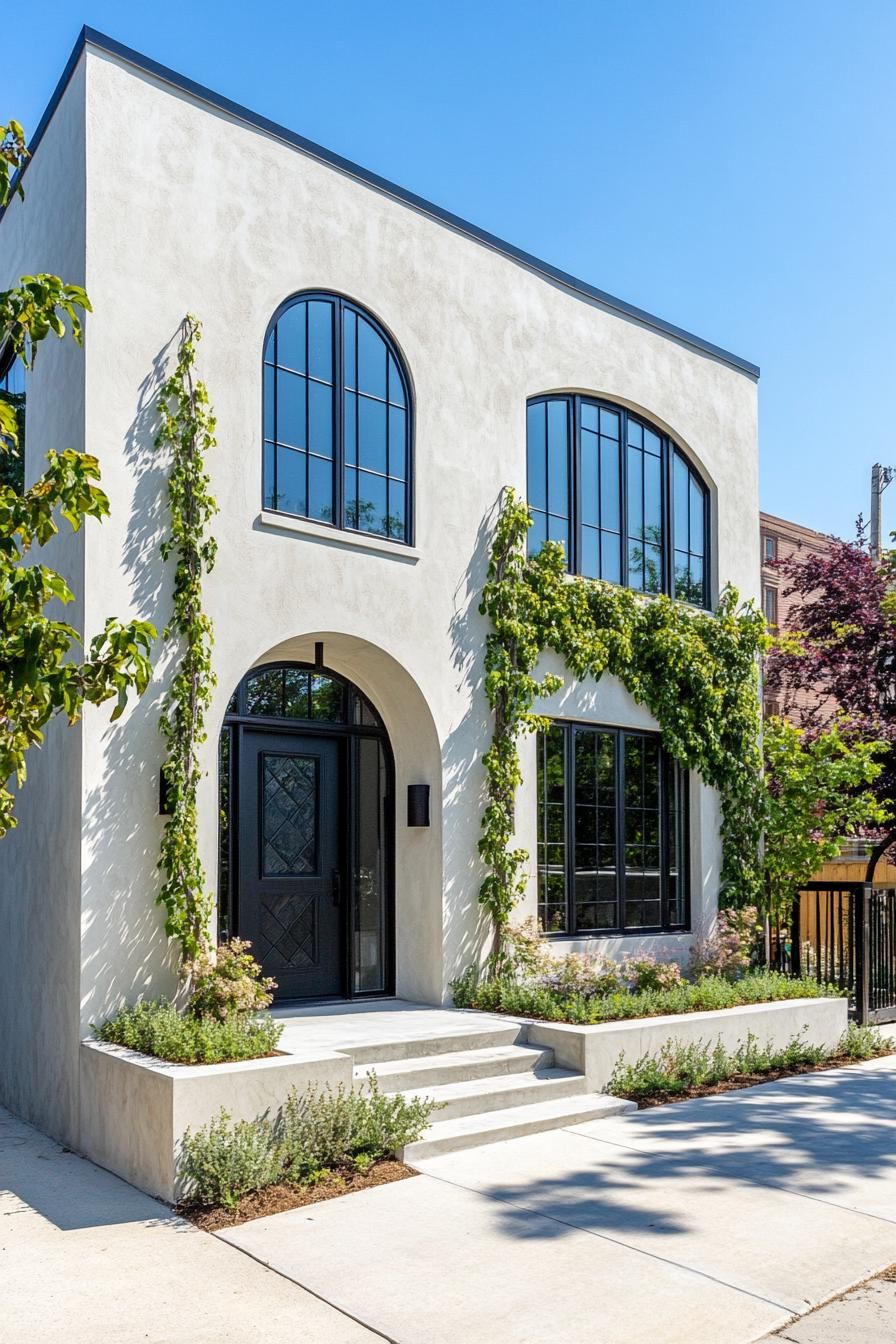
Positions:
(186, 208)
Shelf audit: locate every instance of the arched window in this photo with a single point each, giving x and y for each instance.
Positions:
(619, 495)
(337, 419)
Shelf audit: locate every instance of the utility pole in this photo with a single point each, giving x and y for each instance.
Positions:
(880, 479)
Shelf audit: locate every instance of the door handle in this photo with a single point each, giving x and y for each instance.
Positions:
(336, 886)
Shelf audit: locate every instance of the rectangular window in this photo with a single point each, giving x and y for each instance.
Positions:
(770, 548)
(612, 832)
(770, 604)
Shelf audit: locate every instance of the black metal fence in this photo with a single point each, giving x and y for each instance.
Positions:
(844, 934)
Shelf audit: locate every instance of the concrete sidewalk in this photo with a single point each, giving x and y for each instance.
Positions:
(706, 1222)
(86, 1258)
(867, 1314)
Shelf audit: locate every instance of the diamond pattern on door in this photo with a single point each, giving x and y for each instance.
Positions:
(289, 933)
(289, 817)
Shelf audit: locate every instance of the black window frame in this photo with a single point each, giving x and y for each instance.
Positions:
(342, 304)
(670, 450)
(667, 766)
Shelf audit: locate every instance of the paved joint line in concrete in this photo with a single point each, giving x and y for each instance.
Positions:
(616, 1241)
(288, 1278)
(744, 1180)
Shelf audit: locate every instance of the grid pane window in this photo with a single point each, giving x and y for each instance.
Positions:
(689, 512)
(612, 832)
(551, 830)
(547, 451)
(336, 420)
(619, 495)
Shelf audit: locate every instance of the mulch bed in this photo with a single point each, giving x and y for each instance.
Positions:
(742, 1080)
(279, 1198)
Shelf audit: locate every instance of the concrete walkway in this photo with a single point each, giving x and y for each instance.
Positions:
(867, 1315)
(86, 1258)
(705, 1222)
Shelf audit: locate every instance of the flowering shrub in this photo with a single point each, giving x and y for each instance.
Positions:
(728, 952)
(227, 982)
(525, 952)
(645, 972)
(585, 974)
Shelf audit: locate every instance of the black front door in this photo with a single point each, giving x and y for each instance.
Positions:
(290, 856)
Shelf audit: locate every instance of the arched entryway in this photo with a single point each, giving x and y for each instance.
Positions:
(307, 832)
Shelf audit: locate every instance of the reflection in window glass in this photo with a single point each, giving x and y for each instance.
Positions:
(308, 447)
(612, 819)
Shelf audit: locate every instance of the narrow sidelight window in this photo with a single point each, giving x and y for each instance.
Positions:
(623, 500)
(337, 419)
(612, 832)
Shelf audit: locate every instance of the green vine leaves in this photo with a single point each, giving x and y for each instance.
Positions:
(186, 435)
(696, 672)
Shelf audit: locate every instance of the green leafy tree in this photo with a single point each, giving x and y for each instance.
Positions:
(40, 676)
(819, 787)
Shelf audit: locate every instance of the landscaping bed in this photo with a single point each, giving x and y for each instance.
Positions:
(709, 993)
(678, 1072)
(282, 1197)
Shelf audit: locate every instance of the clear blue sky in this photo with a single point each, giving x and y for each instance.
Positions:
(728, 166)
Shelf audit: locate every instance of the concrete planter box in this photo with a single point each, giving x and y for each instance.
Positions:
(595, 1050)
(134, 1109)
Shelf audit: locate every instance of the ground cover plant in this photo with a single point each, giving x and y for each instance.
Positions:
(223, 1020)
(157, 1028)
(709, 992)
(699, 1068)
(323, 1142)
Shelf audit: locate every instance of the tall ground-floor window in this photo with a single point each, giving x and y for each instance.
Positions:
(612, 832)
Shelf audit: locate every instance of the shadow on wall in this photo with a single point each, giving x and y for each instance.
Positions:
(468, 929)
(125, 952)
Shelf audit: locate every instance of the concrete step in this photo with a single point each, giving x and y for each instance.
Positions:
(445, 1043)
(469, 1131)
(478, 1096)
(455, 1066)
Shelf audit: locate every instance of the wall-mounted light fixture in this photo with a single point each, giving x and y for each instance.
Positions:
(418, 804)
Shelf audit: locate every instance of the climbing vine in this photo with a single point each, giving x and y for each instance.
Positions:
(187, 434)
(695, 671)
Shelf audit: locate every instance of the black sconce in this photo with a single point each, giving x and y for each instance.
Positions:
(418, 804)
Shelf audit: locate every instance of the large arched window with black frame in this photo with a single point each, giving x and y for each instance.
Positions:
(338, 427)
(620, 495)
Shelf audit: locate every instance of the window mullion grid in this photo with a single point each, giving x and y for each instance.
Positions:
(574, 483)
(276, 434)
(666, 767)
(337, 467)
(623, 497)
(569, 799)
(619, 783)
(306, 307)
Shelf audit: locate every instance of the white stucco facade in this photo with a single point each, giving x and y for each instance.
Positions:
(173, 205)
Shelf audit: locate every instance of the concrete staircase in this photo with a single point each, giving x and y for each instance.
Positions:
(488, 1083)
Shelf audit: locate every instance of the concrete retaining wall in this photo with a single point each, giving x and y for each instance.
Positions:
(595, 1050)
(134, 1109)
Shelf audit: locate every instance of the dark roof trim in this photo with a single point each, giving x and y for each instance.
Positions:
(90, 37)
